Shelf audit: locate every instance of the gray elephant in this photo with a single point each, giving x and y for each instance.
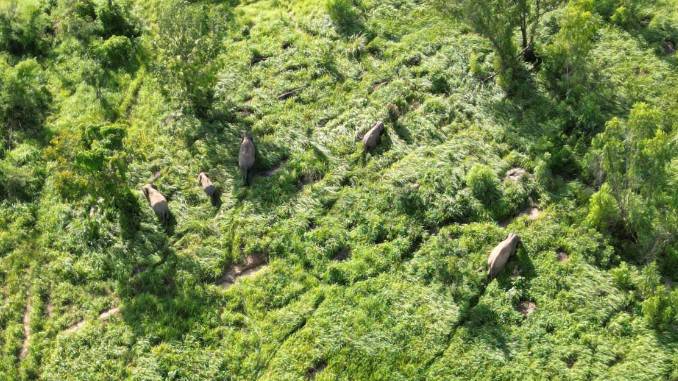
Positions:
(246, 156)
(501, 253)
(157, 201)
(206, 184)
(372, 136)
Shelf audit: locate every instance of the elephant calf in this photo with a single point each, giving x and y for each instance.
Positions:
(501, 253)
(246, 156)
(372, 136)
(206, 184)
(157, 201)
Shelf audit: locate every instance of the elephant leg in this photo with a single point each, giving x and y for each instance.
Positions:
(246, 177)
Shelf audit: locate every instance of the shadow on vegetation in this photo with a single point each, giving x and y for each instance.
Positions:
(483, 324)
(215, 199)
(158, 302)
(402, 132)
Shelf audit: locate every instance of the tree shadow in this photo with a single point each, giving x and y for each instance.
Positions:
(402, 132)
(215, 199)
(170, 224)
(156, 304)
(484, 325)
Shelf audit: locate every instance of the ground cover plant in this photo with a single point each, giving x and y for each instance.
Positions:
(553, 120)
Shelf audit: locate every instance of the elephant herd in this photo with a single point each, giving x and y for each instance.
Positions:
(246, 158)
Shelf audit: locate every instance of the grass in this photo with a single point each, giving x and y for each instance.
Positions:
(410, 300)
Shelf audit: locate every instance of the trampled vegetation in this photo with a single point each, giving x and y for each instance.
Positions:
(554, 120)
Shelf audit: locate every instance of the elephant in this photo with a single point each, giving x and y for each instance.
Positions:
(372, 136)
(246, 156)
(206, 184)
(157, 201)
(501, 253)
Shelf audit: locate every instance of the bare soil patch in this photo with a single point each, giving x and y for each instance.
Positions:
(526, 307)
(515, 174)
(251, 265)
(315, 369)
(104, 316)
(272, 171)
(532, 213)
(342, 255)
(562, 256)
(27, 330)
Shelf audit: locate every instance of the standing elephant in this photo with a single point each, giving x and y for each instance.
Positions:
(206, 184)
(501, 253)
(246, 157)
(372, 136)
(157, 201)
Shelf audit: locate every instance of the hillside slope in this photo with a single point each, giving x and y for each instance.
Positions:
(335, 264)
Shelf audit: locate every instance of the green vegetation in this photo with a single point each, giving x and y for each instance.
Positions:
(555, 120)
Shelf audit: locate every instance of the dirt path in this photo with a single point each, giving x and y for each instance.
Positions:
(102, 317)
(527, 307)
(252, 265)
(532, 213)
(27, 329)
(273, 170)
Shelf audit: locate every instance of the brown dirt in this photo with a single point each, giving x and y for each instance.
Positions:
(515, 174)
(342, 254)
(315, 369)
(531, 212)
(272, 171)
(27, 330)
(251, 265)
(308, 179)
(107, 314)
(104, 316)
(562, 256)
(377, 84)
(526, 307)
(290, 93)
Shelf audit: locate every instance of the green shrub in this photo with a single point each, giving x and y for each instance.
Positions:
(116, 20)
(484, 184)
(345, 16)
(636, 156)
(439, 84)
(566, 68)
(603, 209)
(623, 276)
(25, 30)
(189, 39)
(563, 162)
(661, 309)
(115, 52)
(21, 173)
(24, 99)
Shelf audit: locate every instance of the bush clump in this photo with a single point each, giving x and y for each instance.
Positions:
(24, 99)
(484, 184)
(115, 52)
(344, 16)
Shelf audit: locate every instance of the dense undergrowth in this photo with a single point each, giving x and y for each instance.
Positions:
(376, 262)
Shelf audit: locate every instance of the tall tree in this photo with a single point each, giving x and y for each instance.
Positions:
(529, 13)
(497, 20)
(637, 158)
